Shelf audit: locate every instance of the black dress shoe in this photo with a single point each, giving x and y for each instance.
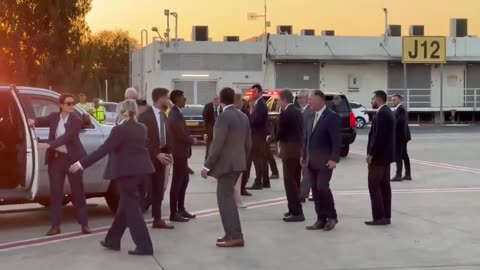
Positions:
(397, 179)
(274, 176)
(104, 244)
(330, 225)
(140, 252)
(299, 218)
(287, 214)
(255, 187)
(303, 200)
(407, 178)
(178, 218)
(319, 225)
(311, 199)
(245, 193)
(190, 171)
(186, 214)
(378, 222)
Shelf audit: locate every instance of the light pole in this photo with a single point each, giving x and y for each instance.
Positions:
(387, 32)
(254, 16)
(175, 15)
(166, 12)
(143, 34)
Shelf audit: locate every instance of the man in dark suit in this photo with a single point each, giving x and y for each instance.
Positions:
(210, 113)
(130, 164)
(302, 101)
(321, 153)
(402, 137)
(226, 161)
(182, 151)
(160, 149)
(380, 153)
(63, 148)
(290, 136)
(259, 128)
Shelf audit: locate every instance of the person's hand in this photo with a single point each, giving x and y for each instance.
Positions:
(75, 167)
(195, 140)
(369, 159)
(204, 174)
(205, 137)
(165, 159)
(269, 137)
(331, 165)
(43, 146)
(31, 122)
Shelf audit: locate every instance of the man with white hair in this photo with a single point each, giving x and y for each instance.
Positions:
(131, 93)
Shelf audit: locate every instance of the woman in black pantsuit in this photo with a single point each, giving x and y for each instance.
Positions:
(130, 165)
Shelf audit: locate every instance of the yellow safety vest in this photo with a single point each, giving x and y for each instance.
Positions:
(99, 114)
(86, 107)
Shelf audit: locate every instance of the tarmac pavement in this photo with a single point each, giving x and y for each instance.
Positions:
(434, 222)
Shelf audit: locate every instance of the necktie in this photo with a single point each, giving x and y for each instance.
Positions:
(216, 112)
(315, 120)
(163, 139)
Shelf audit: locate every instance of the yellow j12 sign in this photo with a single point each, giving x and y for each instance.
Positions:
(425, 50)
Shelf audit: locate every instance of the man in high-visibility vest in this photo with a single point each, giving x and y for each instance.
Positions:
(98, 111)
(86, 106)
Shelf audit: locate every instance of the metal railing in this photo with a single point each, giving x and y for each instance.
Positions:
(471, 98)
(413, 97)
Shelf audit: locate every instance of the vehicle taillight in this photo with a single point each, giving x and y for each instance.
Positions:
(352, 120)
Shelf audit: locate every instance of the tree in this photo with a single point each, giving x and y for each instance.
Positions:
(105, 56)
(42, 40)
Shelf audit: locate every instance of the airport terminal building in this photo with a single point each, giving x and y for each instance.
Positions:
(354, 66)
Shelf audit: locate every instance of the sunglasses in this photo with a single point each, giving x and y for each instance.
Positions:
(69, 103)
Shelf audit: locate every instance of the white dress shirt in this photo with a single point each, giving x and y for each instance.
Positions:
(396, 108)
(317, 117)
(160, 125)
(61, 131)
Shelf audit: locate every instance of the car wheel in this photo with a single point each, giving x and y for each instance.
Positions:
(360, 122)
(344, 151)
(112, 198)
(46, 202)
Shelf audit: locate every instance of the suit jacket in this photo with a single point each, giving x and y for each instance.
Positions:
(231, 144)
(403, 134)
(259, 119)
(148, 118)
(209, 119)
(71, 138)
(182, 141)
(381, 139)
(324, 142)
(127, 148)
(290, 133)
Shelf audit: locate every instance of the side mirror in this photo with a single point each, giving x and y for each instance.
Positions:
(86, 121)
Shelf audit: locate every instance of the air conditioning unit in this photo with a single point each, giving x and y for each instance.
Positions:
(459, 27)
(353, 82)
(328, 33)
(200, 33)
(308, 32)
(231, 38)
(284, 30)
(417, 30)
(395, 30)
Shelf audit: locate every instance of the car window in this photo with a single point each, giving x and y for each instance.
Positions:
(192, 111)
(355, 105)
(43, 107)
(110, 107)
(341, 108)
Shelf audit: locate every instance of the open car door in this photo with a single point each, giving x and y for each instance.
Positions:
(30, 147)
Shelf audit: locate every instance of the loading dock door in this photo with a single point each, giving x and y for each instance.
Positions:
(297, 75)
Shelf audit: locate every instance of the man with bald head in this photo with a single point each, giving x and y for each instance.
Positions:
(131, 93)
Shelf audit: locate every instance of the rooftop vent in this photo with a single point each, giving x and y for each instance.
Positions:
(458, 27)
(417, 30)
(328, 33)
(284, 30)
(231, 38)
(200, 33)
(308, 32)
(395, 30)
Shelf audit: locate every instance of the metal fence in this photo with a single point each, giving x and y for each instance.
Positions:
(414, 97)
(471, 98)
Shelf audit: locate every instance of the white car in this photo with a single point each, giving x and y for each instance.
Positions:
(361, 114)
(110, 111)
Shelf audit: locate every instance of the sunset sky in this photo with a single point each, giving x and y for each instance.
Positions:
(229, 17)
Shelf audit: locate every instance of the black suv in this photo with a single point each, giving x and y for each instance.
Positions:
(349, 132)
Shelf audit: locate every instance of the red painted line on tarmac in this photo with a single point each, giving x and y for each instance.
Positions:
(78, 235)
(436, 164)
